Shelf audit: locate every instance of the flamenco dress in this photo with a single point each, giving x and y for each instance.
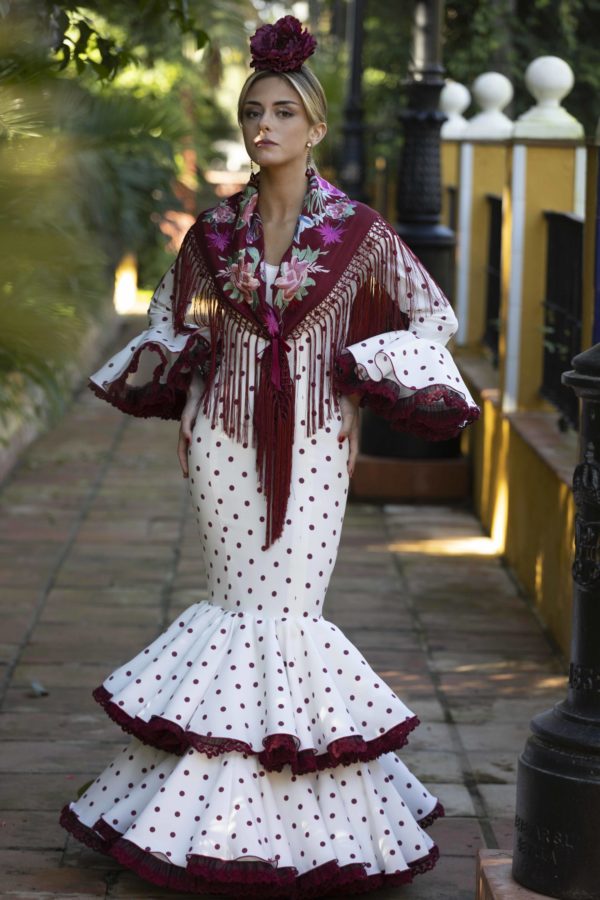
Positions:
(263, 753)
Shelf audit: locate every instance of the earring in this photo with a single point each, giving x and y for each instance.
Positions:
(308, 156)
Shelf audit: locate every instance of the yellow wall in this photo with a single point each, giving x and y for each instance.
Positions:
(523, 501)
(539, 535)
(550, 181)
(527, 510)
(449, 157)
(489, 442)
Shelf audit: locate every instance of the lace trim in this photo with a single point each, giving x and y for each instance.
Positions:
(156, 398)
(438, 812)
(259, 879)
(279, 749)
(420, 414)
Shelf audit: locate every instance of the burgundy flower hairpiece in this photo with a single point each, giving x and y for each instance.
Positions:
(282, 47)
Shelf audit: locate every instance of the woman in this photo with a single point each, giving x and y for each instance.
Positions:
(263, 751)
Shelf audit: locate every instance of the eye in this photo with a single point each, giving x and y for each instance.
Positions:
(285, 113)
(250, 113)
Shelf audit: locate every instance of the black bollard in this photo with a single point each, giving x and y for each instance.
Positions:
(557, 825)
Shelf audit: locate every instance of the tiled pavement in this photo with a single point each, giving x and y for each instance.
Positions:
(98, 552)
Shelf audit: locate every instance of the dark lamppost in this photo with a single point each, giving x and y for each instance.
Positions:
(418, 199)
(419, 205)
(557, 825)
(352, 163)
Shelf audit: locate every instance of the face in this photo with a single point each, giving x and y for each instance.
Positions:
(275, 126)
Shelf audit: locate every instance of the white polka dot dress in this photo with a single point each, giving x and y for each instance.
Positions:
(263, 754)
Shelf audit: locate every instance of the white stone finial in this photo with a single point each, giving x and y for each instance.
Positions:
(548, 79)
(492, 92)
(454, 99)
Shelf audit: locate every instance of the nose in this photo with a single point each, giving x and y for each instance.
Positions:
(263, 122)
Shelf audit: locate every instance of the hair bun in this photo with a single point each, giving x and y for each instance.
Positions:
(282, 47)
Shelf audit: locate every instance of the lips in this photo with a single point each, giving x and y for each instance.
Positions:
(265, 143)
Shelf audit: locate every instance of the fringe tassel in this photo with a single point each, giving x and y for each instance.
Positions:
(273, 432)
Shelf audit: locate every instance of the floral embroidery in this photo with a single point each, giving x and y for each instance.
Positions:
(325, 210)
(243, 283)
(340, 209)
(218, 239)
(247, 208)
(220, 214)
(331, 234)
(294, 281)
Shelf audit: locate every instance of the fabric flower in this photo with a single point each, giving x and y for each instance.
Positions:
(223, 213)
(331, 234)
(248, 209)
(338, 210)
(282, 47)
(293, 275)
(243, 279)
(219, 240)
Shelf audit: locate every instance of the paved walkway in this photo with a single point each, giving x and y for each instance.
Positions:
(98, 552)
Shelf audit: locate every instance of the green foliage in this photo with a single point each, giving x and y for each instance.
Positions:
(88, 161)
(51, 278)
(386, 58)
(87, 36)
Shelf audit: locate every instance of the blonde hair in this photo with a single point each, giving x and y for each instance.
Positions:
(305, 83)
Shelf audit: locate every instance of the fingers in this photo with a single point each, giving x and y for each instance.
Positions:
(182, 453)
(353, 448)
(185, 437)
(349, 411)
(350, 429)
(348, 419)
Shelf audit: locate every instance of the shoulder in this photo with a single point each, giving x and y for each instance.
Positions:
(378, 233)
(370, 216)
(338, 205)
(222, 212)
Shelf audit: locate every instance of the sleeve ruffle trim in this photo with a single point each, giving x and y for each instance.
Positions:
(161, 391)
(411, 382)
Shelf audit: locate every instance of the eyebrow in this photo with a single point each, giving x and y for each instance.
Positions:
(276, 103)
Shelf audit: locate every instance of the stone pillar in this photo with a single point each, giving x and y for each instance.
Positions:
(547, 173)
(482, 171)
(454, 100)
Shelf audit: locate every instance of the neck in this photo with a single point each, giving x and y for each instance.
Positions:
(281, 193)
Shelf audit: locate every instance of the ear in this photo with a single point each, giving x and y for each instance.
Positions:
(317, 133)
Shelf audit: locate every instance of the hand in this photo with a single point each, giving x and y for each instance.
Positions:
(188, 419)
(350, 428)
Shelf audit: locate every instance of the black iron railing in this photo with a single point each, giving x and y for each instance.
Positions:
(562, 310)
(492, 294)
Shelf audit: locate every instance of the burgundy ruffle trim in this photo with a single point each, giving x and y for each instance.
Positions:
(159, 399)
(407, 413)
(438, 812)
(279, 749)
(257, 879)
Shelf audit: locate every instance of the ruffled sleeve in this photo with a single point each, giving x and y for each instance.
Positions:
(151, 375)
(408, 376)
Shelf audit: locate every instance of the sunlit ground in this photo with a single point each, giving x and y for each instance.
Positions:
(446, 546)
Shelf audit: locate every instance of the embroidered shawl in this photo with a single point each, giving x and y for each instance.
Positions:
(338, 277)
(345, 293)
